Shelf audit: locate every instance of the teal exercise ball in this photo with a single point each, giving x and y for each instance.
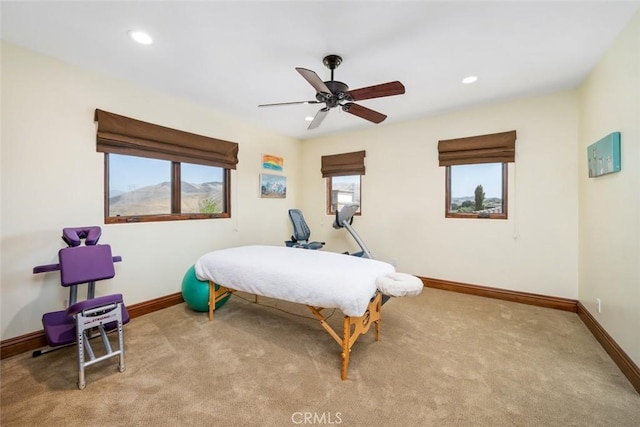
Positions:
(195, 292)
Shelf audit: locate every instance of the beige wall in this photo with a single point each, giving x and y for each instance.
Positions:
(403, 222)
(609, 232)
(52, 177)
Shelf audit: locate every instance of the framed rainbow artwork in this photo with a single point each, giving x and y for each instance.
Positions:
(273, 163)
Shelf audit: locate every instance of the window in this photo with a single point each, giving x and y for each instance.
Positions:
(154, 173)
(341, 190)
(476, 175)
(477, 191)
(343, 173)
(142, 189)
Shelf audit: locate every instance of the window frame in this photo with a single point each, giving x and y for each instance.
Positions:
(176, 196)
(329, 192)
(505, 204)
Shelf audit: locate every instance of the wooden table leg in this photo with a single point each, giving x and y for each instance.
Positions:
(346, 338)
(212, 299)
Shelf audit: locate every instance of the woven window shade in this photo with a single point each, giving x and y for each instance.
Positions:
(493, 148)
(123, 135)
(343, 164)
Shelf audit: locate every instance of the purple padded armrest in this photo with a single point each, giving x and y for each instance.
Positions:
(99, 302)
(83, 264)
(93, 303)
(74, 235)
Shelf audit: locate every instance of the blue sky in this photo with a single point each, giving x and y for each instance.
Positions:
(465, 179)
(127, 173)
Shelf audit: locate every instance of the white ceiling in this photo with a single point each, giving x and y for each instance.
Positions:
(234, 55)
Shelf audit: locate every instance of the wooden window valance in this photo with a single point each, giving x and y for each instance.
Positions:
(492, 148)
(123, 135)
(343, 164)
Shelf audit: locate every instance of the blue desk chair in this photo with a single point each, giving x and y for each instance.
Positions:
(301, 232)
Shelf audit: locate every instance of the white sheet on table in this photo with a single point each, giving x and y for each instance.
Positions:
(312, 277)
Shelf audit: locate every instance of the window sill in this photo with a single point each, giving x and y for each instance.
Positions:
(476, 216)
(156, 218)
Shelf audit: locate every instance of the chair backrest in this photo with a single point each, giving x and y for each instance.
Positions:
(301, 230)
(83, 264)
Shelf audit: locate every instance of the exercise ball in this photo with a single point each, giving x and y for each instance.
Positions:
(195, 292)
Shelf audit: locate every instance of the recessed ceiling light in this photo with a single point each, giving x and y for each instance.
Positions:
(469, 79)
(141, 37)
(308, 118)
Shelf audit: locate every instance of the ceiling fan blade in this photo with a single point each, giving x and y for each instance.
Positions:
(377, 91)
(314, 80)
(363, 112)
(320, 115)
(290, 103)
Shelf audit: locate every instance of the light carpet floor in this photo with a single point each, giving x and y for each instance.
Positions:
(443, 359)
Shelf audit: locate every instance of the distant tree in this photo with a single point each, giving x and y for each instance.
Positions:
(467, 204)
(208, 205)
(479, 193)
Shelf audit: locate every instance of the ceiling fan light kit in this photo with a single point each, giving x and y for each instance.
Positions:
(333, 93)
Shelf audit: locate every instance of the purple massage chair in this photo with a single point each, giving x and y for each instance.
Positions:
(86, 319)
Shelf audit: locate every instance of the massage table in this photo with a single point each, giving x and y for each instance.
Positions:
(318, 279)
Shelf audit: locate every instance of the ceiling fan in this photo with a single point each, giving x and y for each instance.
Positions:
(333, 93)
